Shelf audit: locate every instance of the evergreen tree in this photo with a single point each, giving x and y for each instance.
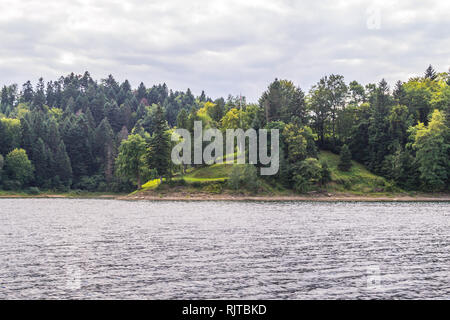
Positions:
(27, 92)
(345, 160)
(182, 119)
(158, 154)
(105, 147)
(379, 139)
(430, 73)
(62, 167)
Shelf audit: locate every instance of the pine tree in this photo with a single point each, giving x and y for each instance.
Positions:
(325, 173)
(141, 92)
(158, 154)
(379, 139)
(62, 166)
(345, 161)
(182, 119)
(430, 73)
(27, 92)
(104, 147)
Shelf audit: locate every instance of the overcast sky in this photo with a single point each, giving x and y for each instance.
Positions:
(227, 46)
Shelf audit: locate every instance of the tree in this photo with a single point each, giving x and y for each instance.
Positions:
(307, 173)
(430, 73)
(2, 162)
(432, 152)
(159, 148)
(62, 167)
(379, 139)
(325, 173)
(282, 101)
(10, 135)
(27, 92)
(327, 97)
(105, 147)
(182, 119)
(345, 161)
(130, 162)
(18, 167)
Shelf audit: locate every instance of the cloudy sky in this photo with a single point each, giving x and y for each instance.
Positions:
(227, 46)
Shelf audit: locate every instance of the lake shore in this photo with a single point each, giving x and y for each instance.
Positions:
(344, 197)
(319, 198)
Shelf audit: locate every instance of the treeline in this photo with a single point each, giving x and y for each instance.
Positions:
(77, 133)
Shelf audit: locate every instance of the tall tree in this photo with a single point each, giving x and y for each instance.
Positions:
(158, 155)
(430, 73)
(130, 162)
(432, 152)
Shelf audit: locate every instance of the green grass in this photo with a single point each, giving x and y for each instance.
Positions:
(357, 180)
(215, 172)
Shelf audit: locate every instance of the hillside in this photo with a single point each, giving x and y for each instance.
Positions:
(212, 180)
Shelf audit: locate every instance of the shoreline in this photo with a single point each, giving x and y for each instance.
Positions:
(230, 197)
(332, 198)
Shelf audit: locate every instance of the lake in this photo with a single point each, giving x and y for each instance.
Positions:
(109, 249)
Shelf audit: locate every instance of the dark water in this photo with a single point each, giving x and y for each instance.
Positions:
(51, 248)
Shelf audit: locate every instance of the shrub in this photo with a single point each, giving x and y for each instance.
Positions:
(325, 173)
(215, 188)
(33, 190)
(345, 162)
(235, 178)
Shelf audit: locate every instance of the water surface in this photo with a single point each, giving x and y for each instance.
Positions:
(108, 249)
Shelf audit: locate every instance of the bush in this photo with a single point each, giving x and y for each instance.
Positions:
(301, 185)
(12, 185)
(250, 178)
(215, 188)
(33, 190)
(345, 162)
(89, 183)
(325, 173)
(305, 174)
(235, 178)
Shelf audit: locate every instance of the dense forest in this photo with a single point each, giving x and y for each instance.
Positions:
(80, 134)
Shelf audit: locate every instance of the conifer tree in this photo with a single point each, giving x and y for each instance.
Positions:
(158, 154)
(345, 160)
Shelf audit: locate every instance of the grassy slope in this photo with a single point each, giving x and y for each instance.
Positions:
(357, 181)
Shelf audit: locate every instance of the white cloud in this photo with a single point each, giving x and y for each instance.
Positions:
(221, 46)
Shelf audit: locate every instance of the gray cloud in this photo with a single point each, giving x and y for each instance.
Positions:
(222, 46)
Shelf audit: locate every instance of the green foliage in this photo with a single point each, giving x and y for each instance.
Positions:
(159, 147)
(234, 179)
(325, 173)
(130, 162)
(18, 167)
(432, 152)
(71, 130)
(2, 163)
(10, 135)
(244, 177)
(345, 161)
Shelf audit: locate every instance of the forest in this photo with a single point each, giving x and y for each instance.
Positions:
(77, 133)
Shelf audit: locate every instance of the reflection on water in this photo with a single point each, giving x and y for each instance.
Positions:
(98, 249)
